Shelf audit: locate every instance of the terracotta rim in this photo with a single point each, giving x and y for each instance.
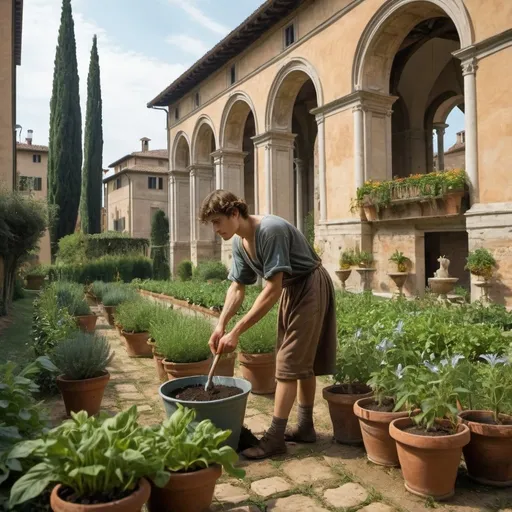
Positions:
(132, 502)
(172, 364)
(263, 359)
(344, 398)
(376, 416)
(92, 383)
(448, 442)
(193, 479)
(485, 429)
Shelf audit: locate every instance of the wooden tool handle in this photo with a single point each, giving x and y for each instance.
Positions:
(214, 365)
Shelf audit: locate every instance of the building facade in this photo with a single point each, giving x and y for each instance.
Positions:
(136, 190)
(306, 100)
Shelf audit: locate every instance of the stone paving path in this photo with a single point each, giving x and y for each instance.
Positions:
(321, 477)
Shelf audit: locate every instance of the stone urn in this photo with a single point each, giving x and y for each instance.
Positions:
(343, 274)
(484, 286)
(399, 278)
(366, 278)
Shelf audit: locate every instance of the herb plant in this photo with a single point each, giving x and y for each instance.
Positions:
(347, 259)
(400, 259)
(117, 294)
(135, 315)
(261, 337)
(481, 262)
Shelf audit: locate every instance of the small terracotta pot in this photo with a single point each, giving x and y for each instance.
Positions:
(136, 344)
(488, 455)
(132, 503)
(87, 323)
(452, 203)
(345, 423)
(226, 365)
(429, 464)
(260, 371)
(379, 445)
(159, 361)
(178, 370)
(109, 314)
(370, 213)
(185, 492)
(119, 328)
(34, 282)
(83, 395)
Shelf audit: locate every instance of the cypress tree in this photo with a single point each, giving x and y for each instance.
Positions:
(65, 146)
(90, 205)
(160, 245)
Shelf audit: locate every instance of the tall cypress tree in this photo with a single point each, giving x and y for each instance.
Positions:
(160, 245)
(65, 146)
(90, 205)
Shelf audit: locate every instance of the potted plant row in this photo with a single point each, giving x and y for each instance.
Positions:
(174, 465)
(71, 297)
(35, 276)
(113, 296)
(362, 260)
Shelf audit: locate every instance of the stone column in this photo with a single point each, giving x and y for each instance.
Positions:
(278, 172)
(358, 146)
(203, 242)
(321, 167)
(440, 130)
(179, 218)
(299, 207)
(469, 69)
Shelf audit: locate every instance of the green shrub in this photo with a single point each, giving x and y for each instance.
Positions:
(260, 338)
(180, 338)
(481, 262)
(98, 289)
(184, 270)
(72, 249)
(71, 296)
(160, 245)
(117, 294)
(82, 356)
(107, 269)
(37, 270)
(136, 315)
(207, 270)
(19, 291)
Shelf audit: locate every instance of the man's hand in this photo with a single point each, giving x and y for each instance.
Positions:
(216, 336)
(227, 343)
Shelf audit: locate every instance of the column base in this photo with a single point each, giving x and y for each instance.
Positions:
(202, 250)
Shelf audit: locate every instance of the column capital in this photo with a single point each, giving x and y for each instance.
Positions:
(228, 154)
(469, 66)
(273, 138)
(179, 173)
(200, 170)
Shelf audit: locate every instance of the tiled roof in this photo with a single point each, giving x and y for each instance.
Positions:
(22, 146)
(137, 169)
(154, 153)
(270, 13)
(458, 146)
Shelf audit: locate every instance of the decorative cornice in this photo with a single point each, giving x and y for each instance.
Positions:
(228, 153)
(486, 47)
(179, 173)
(274, 138)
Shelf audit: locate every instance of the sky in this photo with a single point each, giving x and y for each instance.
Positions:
(143, 46)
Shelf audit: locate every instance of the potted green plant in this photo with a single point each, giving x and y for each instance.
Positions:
(257, 356)
(135, 318)
(82, 360)
(364, 261)
(481, 263)
(488, 455)
(115, 295)
(430, 443)
(400, 276)
(71, 296)
(99, 464)
(193, 454)
(356, 360)
(35, 276)
(346, 262)
(183, 341)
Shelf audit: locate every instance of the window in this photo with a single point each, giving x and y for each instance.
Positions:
(36, 159)
(196, 100)
(176, 114)
(118, 183)
(155, 183)
(119, 224)
(232, 74)
(289, 35)
(152, 182)
(160, 183)
(38, 183)
(29, 183)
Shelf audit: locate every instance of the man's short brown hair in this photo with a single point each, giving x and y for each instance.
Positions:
(222, 202)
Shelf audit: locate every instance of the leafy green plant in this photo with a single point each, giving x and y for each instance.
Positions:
(187, 446)
(82, 356)
(19, 292)
(116, 295)
(481, 262)
(135, 315)
(160, 245)
(37, 270)
(400, 259)
(184, 270)
(363, 258)
(261, 337)
(98, 289)
(91, 456)
(71, 296)
(347, 259)
(180, 338)
(207, 270)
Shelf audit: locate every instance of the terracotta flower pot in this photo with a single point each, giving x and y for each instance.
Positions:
(136, 344)
(132, 503)
(429, 463)
(345, 423)
(260, 371)
(119, 328)
(488, 455)
(34, 282)
(159, 361)
(83, 395)
(178, 370)
(109, 314)
(452, 203)
(370, 213)
(87, 323)
(379, 445)
(226, 365)
(185, 492)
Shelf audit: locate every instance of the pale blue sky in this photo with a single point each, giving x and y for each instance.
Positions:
(143, 46)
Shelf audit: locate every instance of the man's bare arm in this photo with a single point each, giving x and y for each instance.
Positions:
(234, 299)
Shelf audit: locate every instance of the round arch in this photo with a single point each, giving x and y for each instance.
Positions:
(202, 136)
(283, 92)
(235, 113)
(387, 29)
(180, 152)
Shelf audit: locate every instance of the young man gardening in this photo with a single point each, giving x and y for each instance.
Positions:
(270, 247)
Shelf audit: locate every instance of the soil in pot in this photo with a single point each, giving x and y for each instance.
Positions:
(374, 420)
(62, 500)
(199, 394)
(429, 462)
(488, 455)
(341, 399)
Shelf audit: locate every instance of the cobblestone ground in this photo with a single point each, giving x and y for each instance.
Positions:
(321, 477)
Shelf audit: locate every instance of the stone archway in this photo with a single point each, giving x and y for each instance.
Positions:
(203, 142)
(181, 152)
